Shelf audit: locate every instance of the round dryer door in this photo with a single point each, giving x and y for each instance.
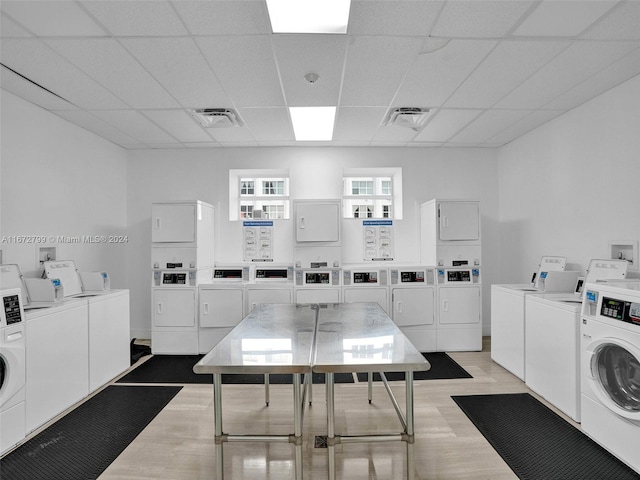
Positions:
(615, 376)
(3, 370)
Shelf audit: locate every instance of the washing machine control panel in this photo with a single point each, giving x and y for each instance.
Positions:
(620, 310)
(12, 310)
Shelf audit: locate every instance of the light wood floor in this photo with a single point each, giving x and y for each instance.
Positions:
(178, 444)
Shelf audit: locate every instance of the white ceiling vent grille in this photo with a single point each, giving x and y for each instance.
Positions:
(217, 117)
(409, 117)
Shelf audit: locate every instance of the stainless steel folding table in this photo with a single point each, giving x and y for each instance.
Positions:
(271, 339)
(360, 337)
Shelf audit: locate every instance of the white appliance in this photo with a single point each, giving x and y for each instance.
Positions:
(269, 284)
(508, 312)
(459, 309)
(74, 282)
(552, 348)
(57, 348)
(366, 284)
(413, 299)
(36, 292)
(610, 363)
(221, 304)
(318, 285)
(12, 369)
(182, 235)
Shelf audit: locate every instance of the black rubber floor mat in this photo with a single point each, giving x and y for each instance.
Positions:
(537, 443)
(179, 369)
(83, 443)
(443, 367)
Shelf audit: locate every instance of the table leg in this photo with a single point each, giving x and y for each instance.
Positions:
(266, 389)
(298, 405)
(411, 469)
(370, 385)
(331, 425)
(217, 421)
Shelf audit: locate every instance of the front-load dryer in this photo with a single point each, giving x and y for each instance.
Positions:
(610, 361)
(12, 369)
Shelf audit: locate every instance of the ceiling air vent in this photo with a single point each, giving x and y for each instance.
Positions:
(410, 117)
(216, 117)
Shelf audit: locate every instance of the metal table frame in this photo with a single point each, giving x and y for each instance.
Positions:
(318, 334)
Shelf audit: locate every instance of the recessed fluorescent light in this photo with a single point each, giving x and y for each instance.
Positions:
(313, 123)
(309, 16)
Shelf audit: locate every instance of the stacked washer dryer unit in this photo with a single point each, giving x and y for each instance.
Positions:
(182, 235)
(450, 241)
(413, 299)
(269, 284)
(552, 339)
(508, 311)
(317, 251)
(610, 364)
(221, 304)
(366, 283)
(12, 369)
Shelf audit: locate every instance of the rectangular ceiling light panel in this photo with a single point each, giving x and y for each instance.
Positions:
(309, 16)
(313, 123)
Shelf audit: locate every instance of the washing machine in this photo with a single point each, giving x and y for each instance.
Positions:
(459, 309)
(552, 348)
(318, 285)
(610, 362)
(413, 300)
(269, 284)
(221, 304)
(366, 284)
(12, 369)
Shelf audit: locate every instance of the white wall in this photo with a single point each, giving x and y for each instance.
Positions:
(572, 186)
(60, 180)
(315, 172)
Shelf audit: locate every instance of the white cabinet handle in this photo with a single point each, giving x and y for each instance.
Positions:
(159, 308)
(157, 223)
(445, 305)
(399, 307)
(301, 222)
(206, 308)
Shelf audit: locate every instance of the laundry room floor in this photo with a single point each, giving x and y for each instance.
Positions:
(179, 445)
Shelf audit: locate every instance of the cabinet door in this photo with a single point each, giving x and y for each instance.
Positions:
(317, 222)
(413, 306)
(459, 305)
(221, 308)
(173, 223)
(174, 307)
(459, 220)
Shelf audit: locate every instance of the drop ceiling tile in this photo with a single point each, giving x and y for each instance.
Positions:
(232, 135)
(246, 17)
(392, 17)
(35, 60)
(615, 74)
(136, 125)
(487, 125)
(52, 18)
(375, 67)
(358, 123)
(17, 85)
(393, 133)
(9, 28)
(581, 60)
(107, 62)
(620, 24)
(178, 65)
(445, 123)
(524, 126)
(562, 18)
(508, 65)
(268, 124)
(99, 127)
(179, 124)
(298, 55)
(137, 18)
(436, 75)
(246, 68)
(479, 19)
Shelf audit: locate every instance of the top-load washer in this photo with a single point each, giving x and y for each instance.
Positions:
(508, 311)
(12, 369)
(610, 361)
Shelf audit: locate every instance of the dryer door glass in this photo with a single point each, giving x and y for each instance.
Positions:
(619, 373)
